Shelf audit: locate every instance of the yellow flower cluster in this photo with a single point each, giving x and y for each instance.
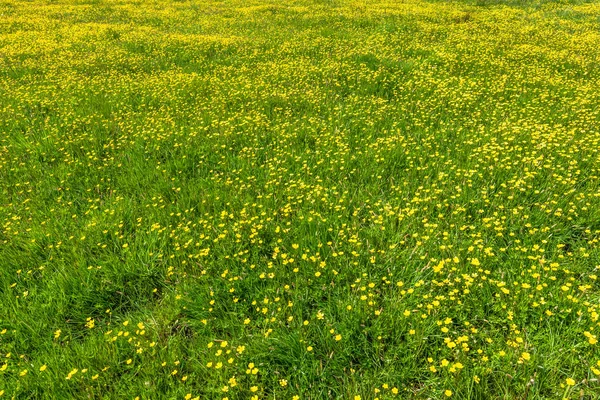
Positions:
(299, 199)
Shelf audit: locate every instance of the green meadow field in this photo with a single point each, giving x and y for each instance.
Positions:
(299, 199)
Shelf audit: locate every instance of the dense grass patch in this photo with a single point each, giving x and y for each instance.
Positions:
(299, 199)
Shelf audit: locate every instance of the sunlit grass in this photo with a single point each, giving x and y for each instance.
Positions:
(299, 199)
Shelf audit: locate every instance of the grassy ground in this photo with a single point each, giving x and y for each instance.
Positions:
(303, 199)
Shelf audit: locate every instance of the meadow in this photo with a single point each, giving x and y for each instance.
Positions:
(299, 199)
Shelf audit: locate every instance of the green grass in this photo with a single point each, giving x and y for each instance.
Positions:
(376, 199)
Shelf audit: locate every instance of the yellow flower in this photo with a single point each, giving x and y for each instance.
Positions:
(43, 368)
(570, 382)
(526, 356)
(448, 392)
(73, 372)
